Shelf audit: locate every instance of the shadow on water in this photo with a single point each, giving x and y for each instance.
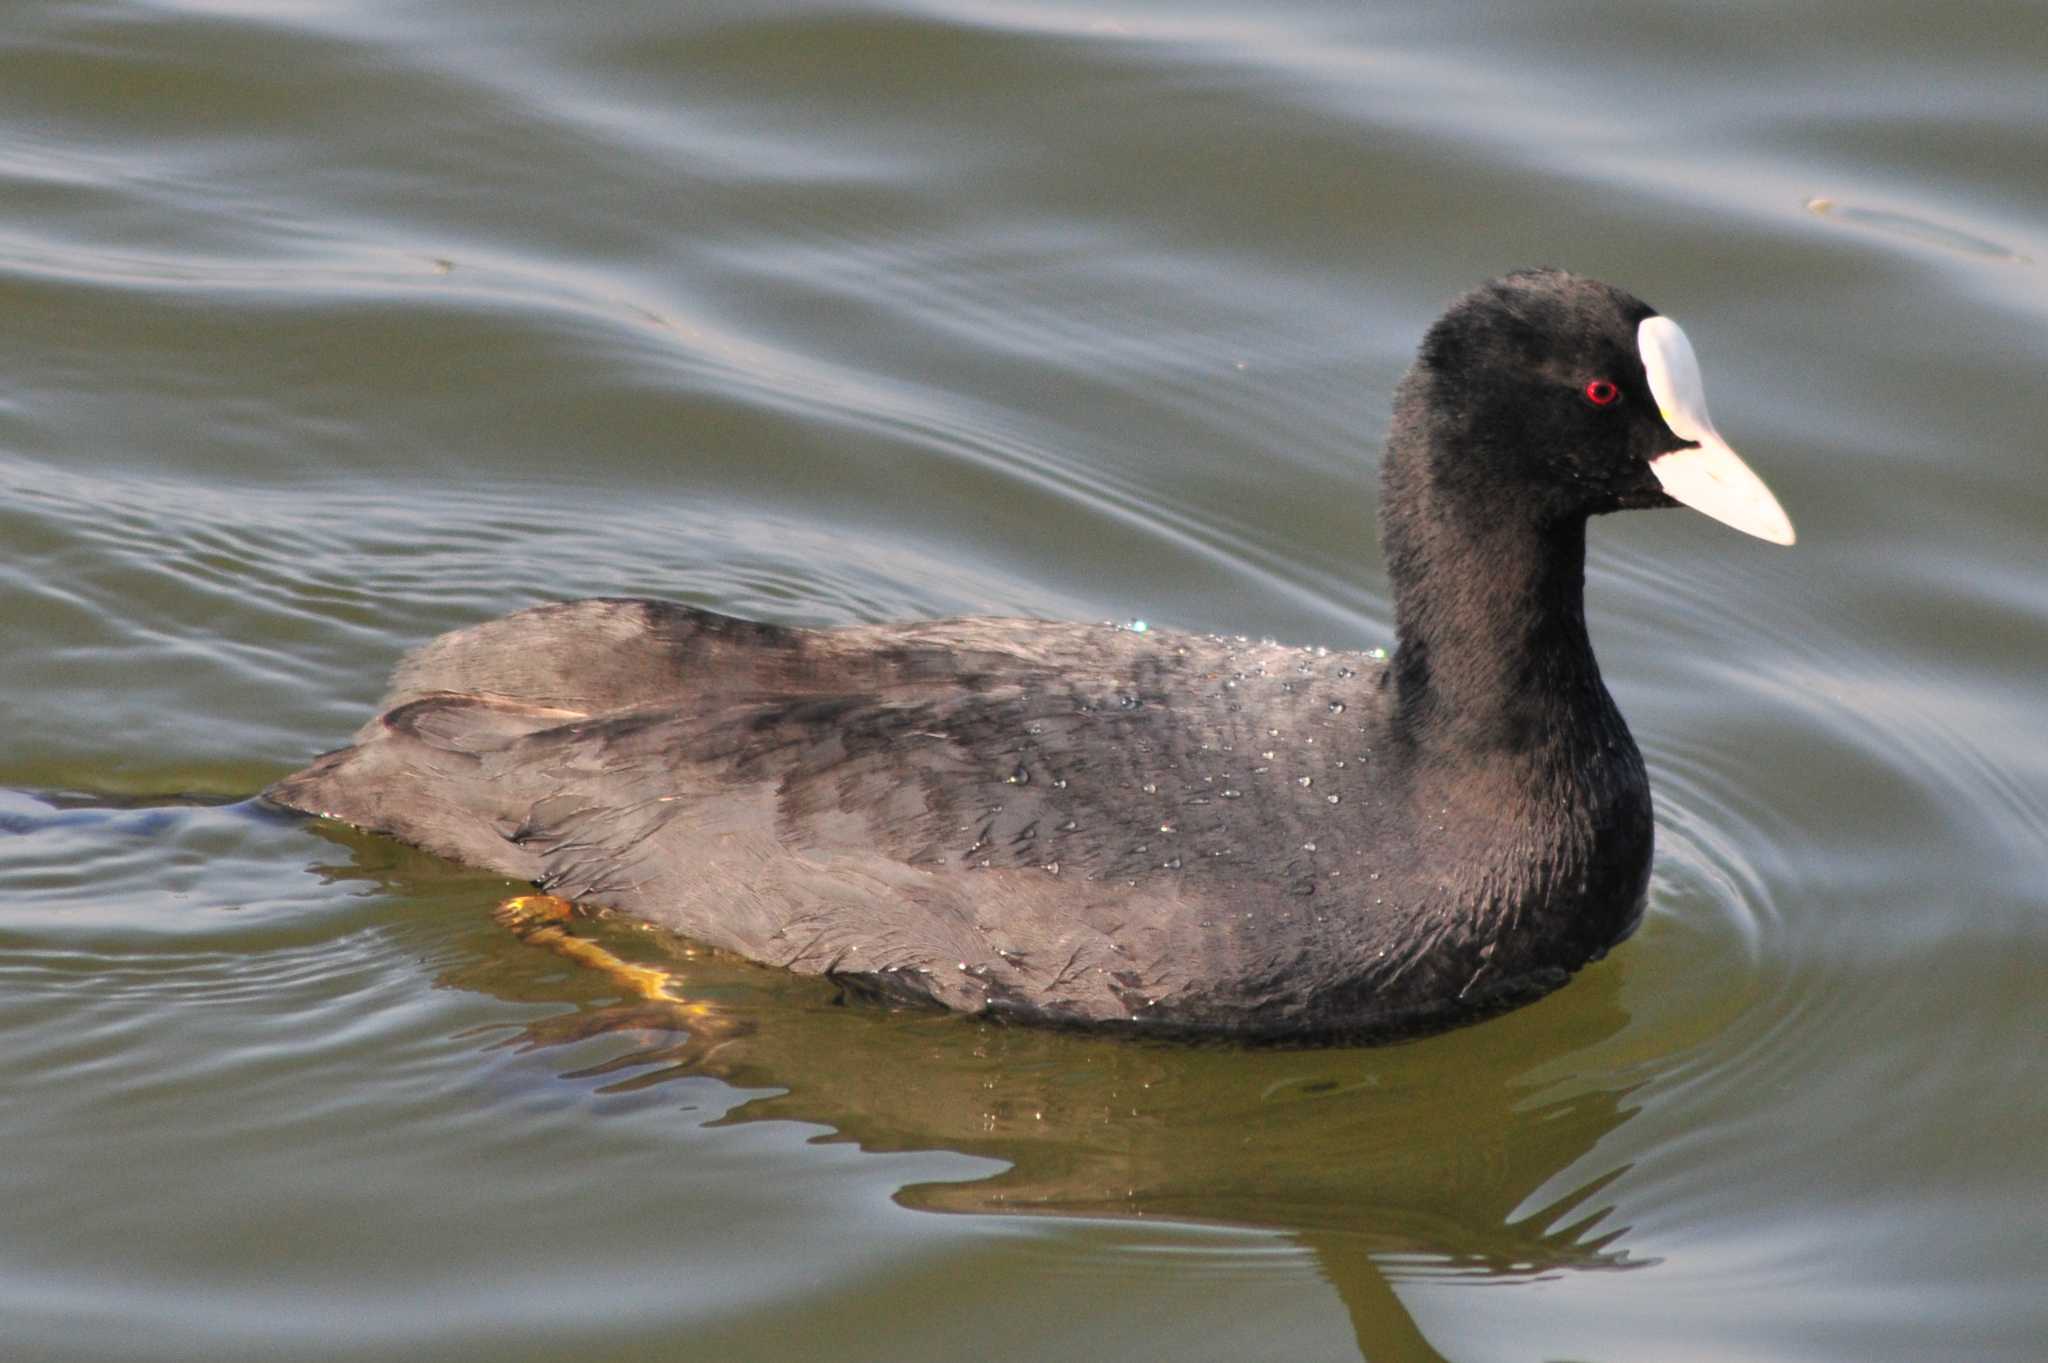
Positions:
(1441, 1158)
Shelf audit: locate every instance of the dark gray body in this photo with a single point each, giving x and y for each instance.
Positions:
(1072, 823)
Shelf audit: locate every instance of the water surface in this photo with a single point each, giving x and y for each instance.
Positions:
(333, 325)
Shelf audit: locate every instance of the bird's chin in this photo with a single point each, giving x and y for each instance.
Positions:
(1649, 499)
(1638, 499)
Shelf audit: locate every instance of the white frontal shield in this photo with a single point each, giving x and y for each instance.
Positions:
(1710, 478)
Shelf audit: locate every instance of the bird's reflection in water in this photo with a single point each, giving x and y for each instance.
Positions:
(1437, 1158)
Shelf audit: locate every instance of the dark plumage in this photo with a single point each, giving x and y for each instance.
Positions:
(1094, 825)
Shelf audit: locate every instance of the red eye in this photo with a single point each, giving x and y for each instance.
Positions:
(1601, 393)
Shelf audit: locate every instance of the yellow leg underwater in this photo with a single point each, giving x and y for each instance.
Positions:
(538, 919)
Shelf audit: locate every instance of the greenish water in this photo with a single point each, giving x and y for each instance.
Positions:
(328, 326)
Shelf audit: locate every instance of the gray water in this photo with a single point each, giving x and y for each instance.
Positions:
(330, 324)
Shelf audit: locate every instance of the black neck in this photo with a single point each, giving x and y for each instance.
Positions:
(1489, 595)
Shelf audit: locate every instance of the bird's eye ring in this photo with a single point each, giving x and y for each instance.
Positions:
(1602, 392)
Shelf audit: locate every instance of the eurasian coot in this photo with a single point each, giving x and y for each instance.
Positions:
(1095, 825)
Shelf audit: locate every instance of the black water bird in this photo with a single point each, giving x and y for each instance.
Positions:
(1104, 826)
